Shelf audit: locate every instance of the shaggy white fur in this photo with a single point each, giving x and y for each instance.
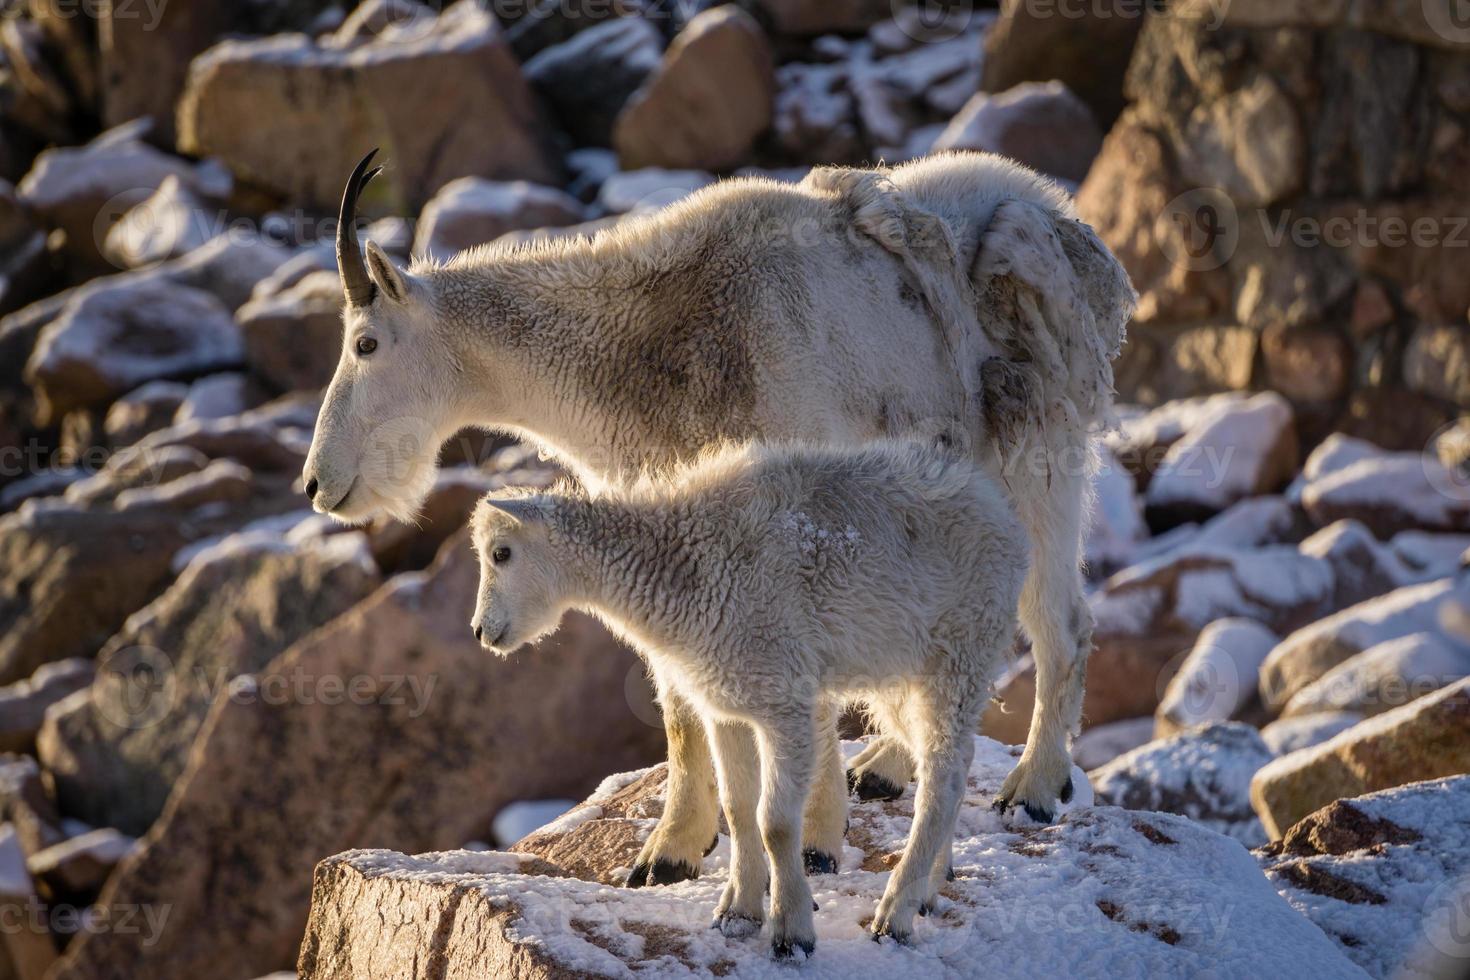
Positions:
(956, 299)
(768, 586)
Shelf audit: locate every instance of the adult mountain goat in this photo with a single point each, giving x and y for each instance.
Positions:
(956, 298)
(768, 586)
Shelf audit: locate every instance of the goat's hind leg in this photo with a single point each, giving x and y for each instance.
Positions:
(825, 827)
(1059, 623)
(882, 770)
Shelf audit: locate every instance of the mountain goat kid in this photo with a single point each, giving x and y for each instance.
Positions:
(768, 586)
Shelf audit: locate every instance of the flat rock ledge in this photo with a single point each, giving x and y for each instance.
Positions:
(1105, 890)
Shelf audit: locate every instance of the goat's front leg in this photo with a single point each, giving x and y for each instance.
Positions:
(741, 907)
(1059, 622)
(689, 827)
(786, 751)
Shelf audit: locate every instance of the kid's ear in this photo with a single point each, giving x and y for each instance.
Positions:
(527, 510)
(389, 279)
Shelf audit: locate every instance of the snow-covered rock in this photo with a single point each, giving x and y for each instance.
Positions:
(1386, 876)
(1389, 492)
(1301, 731)
(1143, 436)
(1384, 677)
(23, 704)
(170, 222)
(79, 865)
(1218, 677)
(1311, 651)
(815, 117)
(1105, 887)
(293, 337)
(145, 409)
(649, 188)
(109, 340)
(216, 396)
(1425, 739)
(1203, 773)
(1239, 450)
(1041, 124)
(1117, 528)
(1101, 744)
(588, 78)
(471, 211)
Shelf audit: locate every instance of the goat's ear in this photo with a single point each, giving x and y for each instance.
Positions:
(389, 278)
(527, 510)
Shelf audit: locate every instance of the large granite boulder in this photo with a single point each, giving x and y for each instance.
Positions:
(1127, 887)
(294, 115)
(388, 726)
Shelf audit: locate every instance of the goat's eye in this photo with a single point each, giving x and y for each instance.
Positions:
(500, 555)
(366, 345)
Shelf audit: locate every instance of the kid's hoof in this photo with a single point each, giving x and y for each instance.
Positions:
(785, 949)
(888, 932)
(712, 845)
(949, 873)
(925, 908)
(733, 925)
(818, 862)
(1067, 791)
(869, 787)
(661, 872)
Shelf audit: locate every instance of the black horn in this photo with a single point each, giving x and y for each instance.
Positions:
(355, 282)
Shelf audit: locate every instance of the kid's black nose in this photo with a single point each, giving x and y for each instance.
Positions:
(311, 489)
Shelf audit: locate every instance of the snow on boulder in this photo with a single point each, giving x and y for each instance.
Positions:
(1239, 450)
(1425, 739)
(1313, 650)
(1218, 677)
(83, 189)
(708, 100)
(1104, 888)
(814, 118)
(588, 78)
(648, 189)
(79, 865)
(1301, 731)
(1149, 614)
(1116, 529)
(472, 211)
(23, 704)
(410, 87)
(1389, 492)
(1101, 744)
(172, 221)
(1041, 124)
(1385, 676)
(293, 337)
(1142, 437)
(1203, 773)
(108, 341)
(1249, 523)
(1363, 566)
(1386, 876)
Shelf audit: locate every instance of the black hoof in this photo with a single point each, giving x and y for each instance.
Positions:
(818, 862)
(712, 845)
(661, 872)
(785, 949)
(902, 938)
(869, 787)
(1000, 804)
(1039, 814)
(1067, 791)
(733, 925)
(949, 873)
(925, 908)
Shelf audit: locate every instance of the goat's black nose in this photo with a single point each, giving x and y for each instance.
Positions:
(479, 632)
(311, 489)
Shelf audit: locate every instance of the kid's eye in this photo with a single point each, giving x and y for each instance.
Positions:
(366, 345)
(500, 555)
